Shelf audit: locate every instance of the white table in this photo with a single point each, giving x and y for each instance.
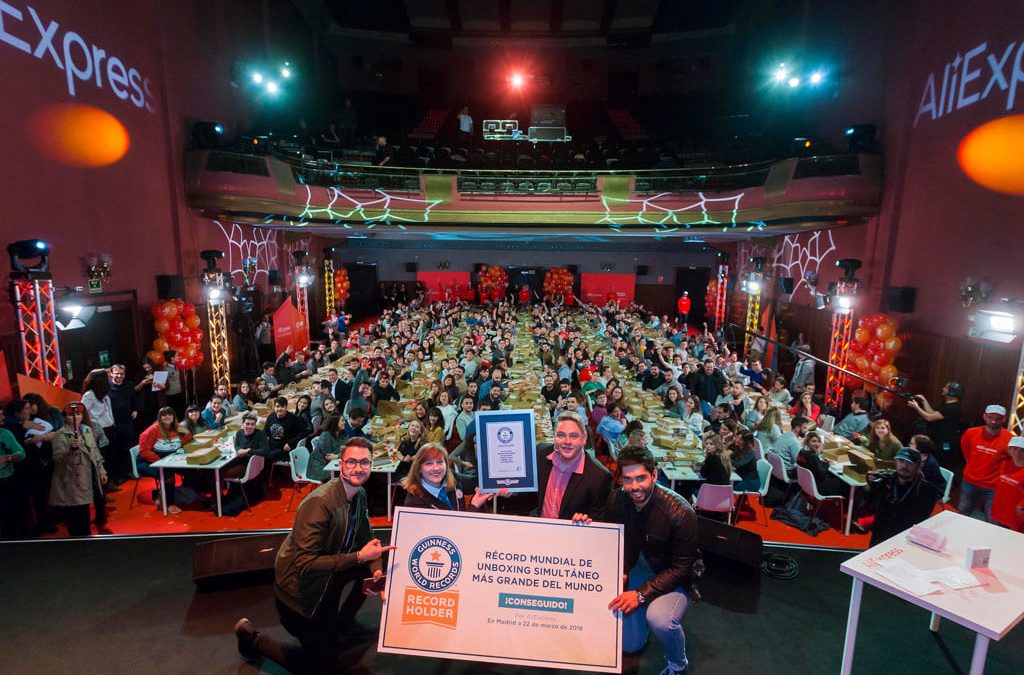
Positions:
(177, 462)
(854, 483)
(334, 467)
(674, 473)
(990, 610)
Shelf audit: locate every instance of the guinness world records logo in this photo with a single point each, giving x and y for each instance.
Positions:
(435, 564)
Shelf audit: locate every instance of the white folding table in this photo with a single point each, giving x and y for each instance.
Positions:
(177, 462)
(990, 610)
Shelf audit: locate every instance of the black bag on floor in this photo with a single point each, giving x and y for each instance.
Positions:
(793, 513)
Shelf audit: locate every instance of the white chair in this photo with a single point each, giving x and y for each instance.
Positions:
(826, 422)
(764, 472)
(298, 460)
(252, 471)
(948, 475)
(282, 463)
(134, 453)
(717, 499)
(810, 487)
(758, 450)
(778, 468)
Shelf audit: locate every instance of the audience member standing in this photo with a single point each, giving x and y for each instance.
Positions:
(943, 424)
(985, 452)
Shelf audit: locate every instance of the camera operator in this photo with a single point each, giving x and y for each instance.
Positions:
(902, 496)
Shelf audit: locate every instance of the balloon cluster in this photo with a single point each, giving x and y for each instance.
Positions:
(711, 295)
(558, 282)
(493, 282)
(177, 328)
(341, 286)
(873, 349)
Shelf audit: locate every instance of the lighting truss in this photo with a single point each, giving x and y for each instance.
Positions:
(329, 299)
(1016, 424)
(838, 351)
(37, 328)
(217, 329)
(301, 296)
(753, 316)
(720, 295)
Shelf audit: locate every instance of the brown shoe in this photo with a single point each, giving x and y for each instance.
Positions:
(246, 635)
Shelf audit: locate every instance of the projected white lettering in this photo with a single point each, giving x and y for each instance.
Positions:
(81, 61)
(960, 83)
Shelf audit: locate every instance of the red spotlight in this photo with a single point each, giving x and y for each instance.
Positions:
(516, 80)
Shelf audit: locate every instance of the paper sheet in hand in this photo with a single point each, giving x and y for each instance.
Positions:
(160, 378)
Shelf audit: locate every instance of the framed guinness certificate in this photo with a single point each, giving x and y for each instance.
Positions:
(505, 452)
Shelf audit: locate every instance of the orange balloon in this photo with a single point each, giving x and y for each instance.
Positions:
(160, 345)
(885, 331)
(863, 363)
(161, 326)
(170, 309)
(888, 373)
(894, 345)
(862, 335)
(78, 135)
(993, 155)
(193, 321)
(156, 357)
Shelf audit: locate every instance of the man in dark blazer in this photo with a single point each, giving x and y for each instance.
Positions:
(569, 480)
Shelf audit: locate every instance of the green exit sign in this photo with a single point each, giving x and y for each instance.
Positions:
(95, 286)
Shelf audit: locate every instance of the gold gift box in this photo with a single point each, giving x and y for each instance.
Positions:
(202, 455)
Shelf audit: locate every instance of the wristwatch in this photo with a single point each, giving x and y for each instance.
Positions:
(641, 599)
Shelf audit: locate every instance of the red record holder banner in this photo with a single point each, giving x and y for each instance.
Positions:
(446, 285)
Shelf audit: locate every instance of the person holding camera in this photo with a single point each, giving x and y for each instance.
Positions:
(943, 424)
(903, 498)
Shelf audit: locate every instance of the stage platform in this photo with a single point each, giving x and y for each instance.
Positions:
(128, 605)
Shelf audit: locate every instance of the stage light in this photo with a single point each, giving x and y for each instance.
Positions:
(844, 304)
(286, 72)
(849, 131)
(214, 295)
(753, 287)
(304, 279)
(516, 80)
(781, 73)
(794, 82)
(257, 78)
(817, 77)
(73, 308)
(218, 129)
(29, 249)
(1002, 322)
(272, 87)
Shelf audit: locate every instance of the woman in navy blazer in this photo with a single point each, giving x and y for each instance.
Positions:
(430, 483)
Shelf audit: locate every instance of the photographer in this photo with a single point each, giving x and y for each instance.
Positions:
(902, 497)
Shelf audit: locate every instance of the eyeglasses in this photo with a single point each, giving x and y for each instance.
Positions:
(353, 463)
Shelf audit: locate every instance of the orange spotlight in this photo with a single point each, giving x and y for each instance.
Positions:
(78, 135)
(993, 155)
(516, 80)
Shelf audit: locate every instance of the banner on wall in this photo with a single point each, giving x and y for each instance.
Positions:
(598, 289)
(504, 589)
(441, 285)
(56, 396)
(290, 327)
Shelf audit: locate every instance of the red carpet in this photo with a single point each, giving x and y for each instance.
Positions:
(145, 518)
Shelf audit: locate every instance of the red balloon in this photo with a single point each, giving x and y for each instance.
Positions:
(197, 335)
(179, 304)
(157, 310)
(161, 326)
(882, 359)
(199, 359)
(170, 310)
(188, 310)
(174, 338)
(184, 363)
(175, 323)
(857, 347)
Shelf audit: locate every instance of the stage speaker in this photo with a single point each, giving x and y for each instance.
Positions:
(641, 270)
(786, 284)
(235, 561)
(732, 543)
(899, 299)
(410, 267)
(274, 278)
(169, 286)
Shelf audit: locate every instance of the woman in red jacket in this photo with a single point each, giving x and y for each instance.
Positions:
(806, 407)
(159, 440)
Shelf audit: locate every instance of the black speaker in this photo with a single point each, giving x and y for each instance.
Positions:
(169, 286)
(573, 269)
(235, 561)
(410, 267)
(274, 277)
(899, 299)
(732, 543)
(786, 284)
(641, 270)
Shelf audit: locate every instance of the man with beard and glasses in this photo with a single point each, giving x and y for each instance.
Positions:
(331, 545)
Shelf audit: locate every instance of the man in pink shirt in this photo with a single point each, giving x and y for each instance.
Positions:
(570, 481)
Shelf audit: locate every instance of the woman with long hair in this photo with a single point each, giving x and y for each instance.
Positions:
(192, 424)
(326, 448)
(78, 473)
(744, 462)
(96, 399)
(434, 431)
(806, 407)
(328, 409)
(717, 466)
(302, 411)
(430, 483)
(756, 412)
(769, 429)
(673, 402)
(160, 439)
(881, 442)
(450, 412)
(244, 398)
(810, 458)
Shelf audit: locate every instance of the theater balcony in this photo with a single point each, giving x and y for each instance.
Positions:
(771, 198)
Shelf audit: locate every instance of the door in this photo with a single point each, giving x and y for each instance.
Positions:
(694, 280)
(363, 300)
(108, 338)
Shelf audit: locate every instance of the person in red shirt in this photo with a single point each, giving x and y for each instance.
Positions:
(985, 452)
(683, 307)
(1008, 504)
(524, 295)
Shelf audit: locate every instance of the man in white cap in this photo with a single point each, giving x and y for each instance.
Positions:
(985, 452)
(1008, 506)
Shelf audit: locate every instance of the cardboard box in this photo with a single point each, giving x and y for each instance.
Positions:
(202, 455)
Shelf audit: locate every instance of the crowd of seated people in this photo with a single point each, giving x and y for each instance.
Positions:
(586, 360)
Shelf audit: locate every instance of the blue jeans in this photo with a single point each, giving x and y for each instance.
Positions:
(970, 495)
(662, 616)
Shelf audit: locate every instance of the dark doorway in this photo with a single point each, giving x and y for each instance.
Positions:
(433, 87)
(694, 280)
(108, 338)
(533, 277)
(363, 300)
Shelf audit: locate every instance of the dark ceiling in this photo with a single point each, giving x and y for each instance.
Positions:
(535, 18)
